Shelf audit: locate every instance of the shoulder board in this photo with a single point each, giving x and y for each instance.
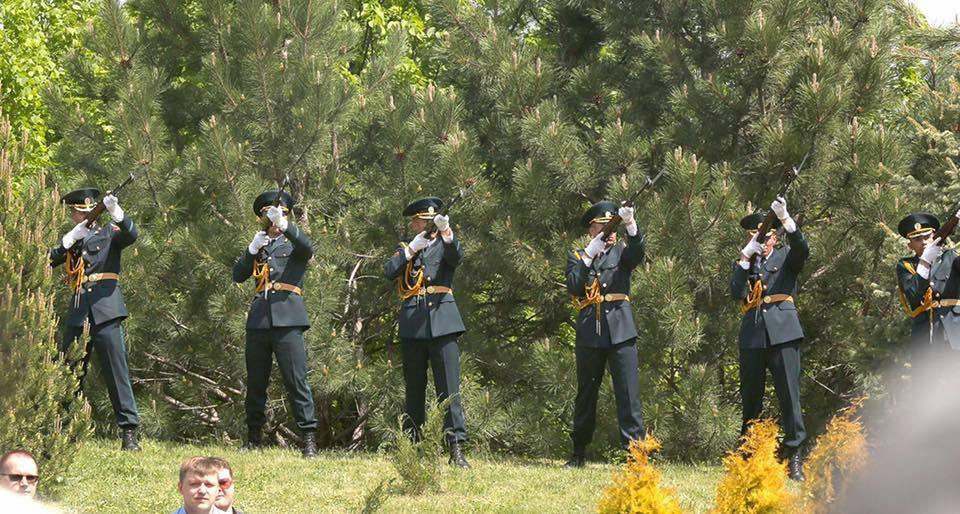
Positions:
(908, 266)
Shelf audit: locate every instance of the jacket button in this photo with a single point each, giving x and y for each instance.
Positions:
(764, 310)
(268, 258)
(429, 279)
(603, 285)
(606, 311)
(429, 304)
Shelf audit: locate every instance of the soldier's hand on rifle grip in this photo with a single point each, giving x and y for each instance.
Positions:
(260, 239)
(77, 233)
(593, 249)
(275, 215)
(931, 253)
(112, 205)
(779, 207)
(443, 227)
(419, 243)
(626, 215)
(754, 247)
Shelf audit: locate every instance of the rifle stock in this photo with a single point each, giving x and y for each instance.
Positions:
(613, 224)
(949, 226)
(100, 207)
(276, 202)
(788, 178)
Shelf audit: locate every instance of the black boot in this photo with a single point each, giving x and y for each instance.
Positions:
(254, 442)
(578, 460)
(795, 465)
(457, 458)
(128, 439)
(309, 450)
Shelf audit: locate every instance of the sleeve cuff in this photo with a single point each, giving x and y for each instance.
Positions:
(631, 229)
(587, 260)
(923, 270)
(407, 253)
(789, 225)
(744, 264)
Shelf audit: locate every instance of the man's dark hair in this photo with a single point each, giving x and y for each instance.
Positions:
(24, 453)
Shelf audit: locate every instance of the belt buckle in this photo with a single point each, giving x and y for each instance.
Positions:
(608, 297)
(767, 299)
(275, 286)
(430, 290)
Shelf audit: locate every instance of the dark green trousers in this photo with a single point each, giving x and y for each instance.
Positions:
(623, 363)
(106, 339)
(783, 361)
(288, 346)
(442, 355)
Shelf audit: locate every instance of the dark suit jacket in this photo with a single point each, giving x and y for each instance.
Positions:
(432, 315)
(778, 322)
(103, 299)
(613, 268)
(288, 256)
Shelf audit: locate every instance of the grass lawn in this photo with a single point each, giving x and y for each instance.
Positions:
(104, 480)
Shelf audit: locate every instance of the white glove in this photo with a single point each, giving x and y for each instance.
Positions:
(419, 243)
(77, 233)
(626, 214)
(932, 252)
(753, 248)
(442, 222)
(593, 249)
(275, 215)
(260, 239)
(779, 207)
(443, 226)
(113, 207)
(957, 214)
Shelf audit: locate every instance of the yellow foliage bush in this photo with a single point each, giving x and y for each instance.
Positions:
(755, 480)
(636, 488)
(840, 452)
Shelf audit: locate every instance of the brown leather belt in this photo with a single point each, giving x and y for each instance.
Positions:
(952, 302)
(581, 304)
(96, 277)
(280, 286)
(616, 297)
(438, 290)
(772, 298)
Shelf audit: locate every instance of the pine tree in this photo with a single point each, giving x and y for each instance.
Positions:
(550, 106)
(37, 382)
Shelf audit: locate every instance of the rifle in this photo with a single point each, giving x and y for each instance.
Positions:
(611, 226)
(788, 177)
(946, 230)
(260, 263)
(100, 207)
(431, 227)
(276, 202)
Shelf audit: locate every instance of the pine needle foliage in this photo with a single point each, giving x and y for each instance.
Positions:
(38, 406)
(636, 488)
(755, 480)
(840, 452)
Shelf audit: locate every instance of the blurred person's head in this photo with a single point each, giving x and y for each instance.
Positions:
(199, 484)
(227, 492)
(19, 472)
